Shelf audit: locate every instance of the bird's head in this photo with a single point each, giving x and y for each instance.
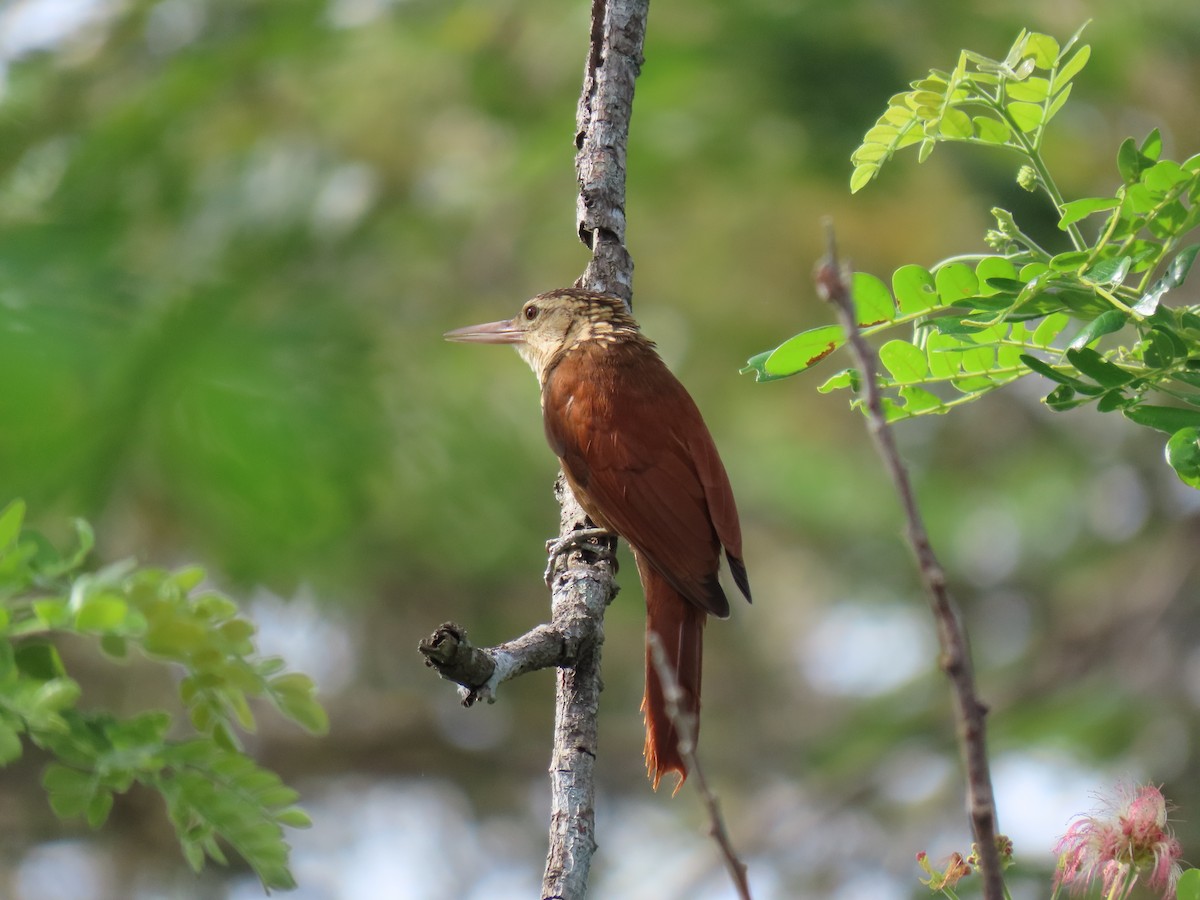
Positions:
(553, 323)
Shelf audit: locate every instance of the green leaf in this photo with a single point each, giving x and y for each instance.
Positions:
(98, 808)
(917, 400)
(847, 378)
(871, 152)
(992, 285)
(1174, 276)
(236, 631)
(40, 661)
(1129, 161)
(86, 539)
(804, 350)
(8, 662)
(1058, 102)
(1188, 885)
(11, 519)
(1043, 48)
(188, 578)
(294, 817)
(57, 694)
(755, 364)
(241, 709)
(906, 363)
(103, 612)
(1072, 67)
(914, 289)
(1099, 369)
(1161, 177)
(1152, 146)
(1106, 323)
(993, 131)
(993, 273)
(174, 638)
(214, 607)
(1076, 210)
(862, 175)
(945, 355)
(70, 790)
(1050, 328)
(1069, 260)
(1034, 90)
(1161, 347)
(1138, 201)
(978, 360)
(1027, 116)
(1043, 368)
(1113, 400)
(1169, 419)
(955, 124)
(294, 693)
(873, 303)
(1063, 398)
(10, 744)
(954, 283)
(194, 854)
(1183, 455)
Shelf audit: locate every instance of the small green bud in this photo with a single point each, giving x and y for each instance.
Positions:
(997, 240)
(1027, 178)
(1005, 223)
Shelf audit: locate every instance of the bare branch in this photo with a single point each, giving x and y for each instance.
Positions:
(582, 589)
(479, 671)
(602, 133)
(618, 30)
(685, 727)
(581, 582)
(833, 286)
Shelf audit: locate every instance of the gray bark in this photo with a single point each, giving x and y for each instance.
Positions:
(582, 583)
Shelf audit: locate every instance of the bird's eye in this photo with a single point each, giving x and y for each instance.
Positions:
(531, 312)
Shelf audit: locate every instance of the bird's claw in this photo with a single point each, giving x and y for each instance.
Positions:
(576, 540)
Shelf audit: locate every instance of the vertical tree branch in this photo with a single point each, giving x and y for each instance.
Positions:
(581, 592)
(580, 595)
(833, 286)
(601, 136)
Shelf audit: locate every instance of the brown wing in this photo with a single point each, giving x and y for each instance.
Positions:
(634, 446)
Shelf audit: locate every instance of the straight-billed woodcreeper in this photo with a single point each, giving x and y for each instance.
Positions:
(643, 465)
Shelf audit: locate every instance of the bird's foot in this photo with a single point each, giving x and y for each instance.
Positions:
(599, 541)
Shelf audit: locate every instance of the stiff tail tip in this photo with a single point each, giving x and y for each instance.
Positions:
(662, 753)
(674, 651)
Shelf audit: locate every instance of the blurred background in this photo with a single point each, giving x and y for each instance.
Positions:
(232, 233)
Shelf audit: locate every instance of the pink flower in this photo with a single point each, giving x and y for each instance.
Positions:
(1125, 840)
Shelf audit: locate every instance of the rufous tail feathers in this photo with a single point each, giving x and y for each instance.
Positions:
(679, 625)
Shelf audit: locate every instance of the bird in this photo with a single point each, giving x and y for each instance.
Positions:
(640, 460)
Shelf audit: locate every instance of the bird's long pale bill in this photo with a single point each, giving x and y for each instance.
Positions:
(490, 333)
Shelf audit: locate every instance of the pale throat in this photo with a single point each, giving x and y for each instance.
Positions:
(538, 356)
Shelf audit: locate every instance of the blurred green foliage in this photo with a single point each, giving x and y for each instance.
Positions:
(233, 231)
(210, 787)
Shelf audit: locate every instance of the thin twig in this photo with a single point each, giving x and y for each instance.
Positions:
(685, 727)
(833, 286)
